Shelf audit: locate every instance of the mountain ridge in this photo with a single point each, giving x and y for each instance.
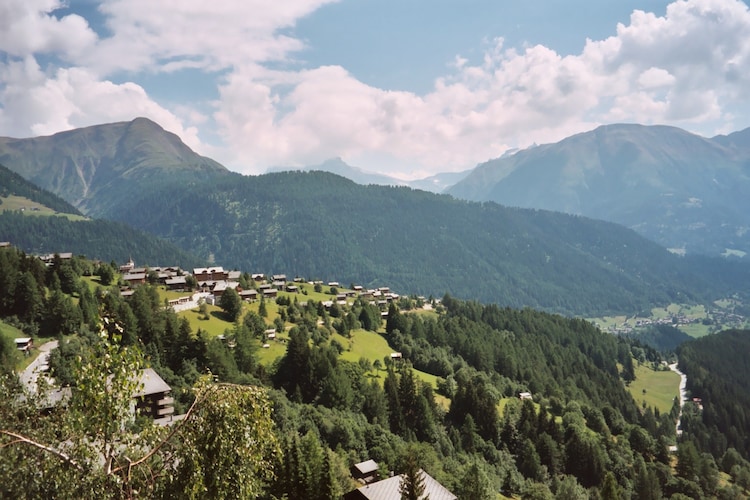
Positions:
(676, 188)
(80, 164)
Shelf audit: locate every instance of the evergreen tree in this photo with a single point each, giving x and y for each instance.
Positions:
(646, 485)
(262, 311)
(329, 488)
(474, 484)
(569, 489)
(395, 320)
(245, 348)
(231, 303)
(60, 315)
(610, 490)
(395, 412)
(688, 461)
(88, 305)
(412, 482)
(28, 298)
(106, 274)
(374, 404)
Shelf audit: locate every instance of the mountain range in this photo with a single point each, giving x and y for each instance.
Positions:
(320, 225)
(685, 192)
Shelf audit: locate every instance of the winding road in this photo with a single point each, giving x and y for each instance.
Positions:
(30, 376)
(683, 394)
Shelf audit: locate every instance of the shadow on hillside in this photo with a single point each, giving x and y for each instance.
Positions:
(221, 315)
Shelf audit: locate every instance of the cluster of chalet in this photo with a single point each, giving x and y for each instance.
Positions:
(212, 282)
(172, 277)
(375, 489)
(49, 258)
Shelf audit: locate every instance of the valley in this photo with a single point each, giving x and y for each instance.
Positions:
(693, 320)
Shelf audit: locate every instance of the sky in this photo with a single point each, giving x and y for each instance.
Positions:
(407, 88)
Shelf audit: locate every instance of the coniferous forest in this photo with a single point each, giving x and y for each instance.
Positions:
(581, 435)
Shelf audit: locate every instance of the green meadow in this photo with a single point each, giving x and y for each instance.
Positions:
(656, 388)
(15, 203)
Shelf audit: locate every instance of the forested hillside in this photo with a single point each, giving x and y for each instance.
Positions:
(97, 239)
(718, 370)
(581, 435)
(316, 224)
(94, 238)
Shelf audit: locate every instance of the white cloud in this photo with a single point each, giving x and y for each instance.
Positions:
(27, 27)
(685, 68)
(171, 34)
(655, 78)
(43, 104)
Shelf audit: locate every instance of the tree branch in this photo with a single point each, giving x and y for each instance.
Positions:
(23, 439)
(164, 441)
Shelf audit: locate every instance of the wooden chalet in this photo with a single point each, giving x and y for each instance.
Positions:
(388, 489)
(153, 399)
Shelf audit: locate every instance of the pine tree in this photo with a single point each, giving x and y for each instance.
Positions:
(475, 484)
(412, 482)
(262, 311)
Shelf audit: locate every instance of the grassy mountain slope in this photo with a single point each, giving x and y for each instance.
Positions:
(678, 189)
(13, 184)
(320, 225)
(95, 166)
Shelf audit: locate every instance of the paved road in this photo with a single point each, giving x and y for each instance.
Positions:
(30, 375)
(683, 392)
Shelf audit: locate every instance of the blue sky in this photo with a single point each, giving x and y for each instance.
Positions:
(408, 88)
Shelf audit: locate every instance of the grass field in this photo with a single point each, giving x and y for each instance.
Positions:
(29, 207)
(11, 331)
(695, 330)
(607, 322)
(364, 344)
(657, 388)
